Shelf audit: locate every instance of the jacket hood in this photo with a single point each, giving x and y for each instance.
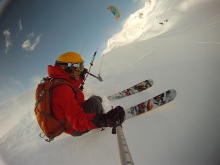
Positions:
(59, 73)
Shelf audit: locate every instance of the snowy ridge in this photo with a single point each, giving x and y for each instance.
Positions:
(148, 22)
(181, 54)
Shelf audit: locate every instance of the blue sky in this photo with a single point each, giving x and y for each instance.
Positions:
(35, 32)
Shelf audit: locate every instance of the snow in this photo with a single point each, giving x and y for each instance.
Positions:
(181, 54)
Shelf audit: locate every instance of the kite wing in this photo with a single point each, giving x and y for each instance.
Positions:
(115, 11)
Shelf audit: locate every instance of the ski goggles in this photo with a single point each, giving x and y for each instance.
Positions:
(79, 67)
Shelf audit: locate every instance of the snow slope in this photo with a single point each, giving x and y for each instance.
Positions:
(182, 54)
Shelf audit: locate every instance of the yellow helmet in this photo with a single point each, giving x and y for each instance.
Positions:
(70, 57)
(70, 60)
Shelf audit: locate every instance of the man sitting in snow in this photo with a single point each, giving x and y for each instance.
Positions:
(82, 115)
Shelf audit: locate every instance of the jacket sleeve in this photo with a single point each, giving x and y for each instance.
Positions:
(65, 104)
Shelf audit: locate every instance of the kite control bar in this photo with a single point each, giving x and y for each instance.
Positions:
(98, 77)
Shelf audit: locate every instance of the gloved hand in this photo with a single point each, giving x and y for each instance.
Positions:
(112, 118)
(82, 74)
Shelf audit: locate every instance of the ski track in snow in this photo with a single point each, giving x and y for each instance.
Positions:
(181, 54)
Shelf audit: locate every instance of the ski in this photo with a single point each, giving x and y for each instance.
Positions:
(151, 104)
(144, 85)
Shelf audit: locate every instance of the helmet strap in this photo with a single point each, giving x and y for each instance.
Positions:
(71, 76)
(68, 70)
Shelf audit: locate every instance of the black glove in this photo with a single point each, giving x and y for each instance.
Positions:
(113, 118)
(82, 74)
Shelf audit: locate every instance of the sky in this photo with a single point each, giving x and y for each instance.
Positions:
(34, 33)
(181, 54)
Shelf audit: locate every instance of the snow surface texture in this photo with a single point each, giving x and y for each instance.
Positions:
(176, 43)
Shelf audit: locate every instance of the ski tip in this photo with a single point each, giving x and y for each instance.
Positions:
(173, 92)
(149, 81)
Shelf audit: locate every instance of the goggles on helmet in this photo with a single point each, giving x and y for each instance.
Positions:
(78, 66)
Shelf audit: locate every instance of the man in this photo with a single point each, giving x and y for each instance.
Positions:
(82, 115)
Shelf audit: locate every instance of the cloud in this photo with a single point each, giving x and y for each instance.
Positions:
(36, 41)
(20, 27)
(30, 44)
(7, 34)
(8, 42)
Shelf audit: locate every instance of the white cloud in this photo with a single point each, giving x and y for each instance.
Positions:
(7, 34)
(36, 41)
(31, 35)
(29, 45)
(8, 42)
(20, 27)
(26, 44)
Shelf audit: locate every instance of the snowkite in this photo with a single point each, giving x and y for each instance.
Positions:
(115, 11)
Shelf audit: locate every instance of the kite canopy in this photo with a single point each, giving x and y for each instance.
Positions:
(115, 11)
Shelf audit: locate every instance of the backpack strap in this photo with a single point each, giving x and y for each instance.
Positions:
(58, 82)
(40, 98)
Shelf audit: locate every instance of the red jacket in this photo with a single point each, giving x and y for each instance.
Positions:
(65, 105)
